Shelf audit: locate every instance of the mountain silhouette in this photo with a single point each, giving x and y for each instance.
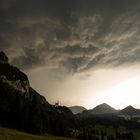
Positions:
(77, 109)
(101, 109)
(129, 110)
(22, 107)
(17, 80)
(106, 109)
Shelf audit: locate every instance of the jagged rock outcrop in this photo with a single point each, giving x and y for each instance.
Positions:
(13, 76)
(3, 57)
(17, 79)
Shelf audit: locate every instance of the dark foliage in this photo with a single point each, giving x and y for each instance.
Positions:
(19, 112)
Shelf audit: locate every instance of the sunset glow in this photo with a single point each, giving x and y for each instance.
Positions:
(123, 94)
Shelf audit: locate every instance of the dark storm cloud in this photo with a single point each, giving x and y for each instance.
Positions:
(75, 35)
(30, 59)
(78, 51)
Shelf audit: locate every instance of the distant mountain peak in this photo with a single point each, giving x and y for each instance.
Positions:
(77, 109)
(103, 105)
(103, 108)
(3, 57)
(129, 107)
(130, 110)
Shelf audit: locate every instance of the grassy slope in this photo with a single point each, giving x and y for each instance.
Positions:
(10, 134)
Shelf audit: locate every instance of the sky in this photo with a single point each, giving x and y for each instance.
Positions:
(77, 52)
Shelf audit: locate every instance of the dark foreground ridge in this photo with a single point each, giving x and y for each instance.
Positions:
(21, 107)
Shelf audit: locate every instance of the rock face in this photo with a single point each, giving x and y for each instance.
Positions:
(14, 77)
(3, 58)
(17, 79)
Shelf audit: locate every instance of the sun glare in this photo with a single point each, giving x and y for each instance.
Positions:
(123, 94)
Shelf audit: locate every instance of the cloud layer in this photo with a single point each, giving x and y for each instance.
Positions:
(74, 36)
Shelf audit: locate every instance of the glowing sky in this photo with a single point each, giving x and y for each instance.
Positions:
(78, 52)
(118, 87)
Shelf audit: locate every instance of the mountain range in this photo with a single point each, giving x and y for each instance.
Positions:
(105, 109)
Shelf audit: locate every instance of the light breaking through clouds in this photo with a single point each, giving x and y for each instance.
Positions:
(70, 37)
